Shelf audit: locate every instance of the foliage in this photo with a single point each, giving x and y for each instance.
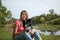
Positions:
(42, 19)
(55, 21)
(50, 18)
(4, 15)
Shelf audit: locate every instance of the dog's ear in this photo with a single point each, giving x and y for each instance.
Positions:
(24, 22)
(29, 20)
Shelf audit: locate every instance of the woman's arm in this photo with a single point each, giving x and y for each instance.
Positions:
(15, 28)
(16, 33)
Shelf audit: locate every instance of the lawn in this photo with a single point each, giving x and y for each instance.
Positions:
(50, 37)
(7, 35)
(48, 26)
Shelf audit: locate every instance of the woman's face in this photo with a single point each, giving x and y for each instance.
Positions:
(24, 16)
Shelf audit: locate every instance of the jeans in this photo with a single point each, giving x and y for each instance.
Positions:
(27, 36)
(23, 36)
(37, 35)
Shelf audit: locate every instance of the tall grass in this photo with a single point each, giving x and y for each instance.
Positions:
(5, 34)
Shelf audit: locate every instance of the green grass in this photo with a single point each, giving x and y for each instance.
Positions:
(5, 35)
(50, 37)
(48, 26)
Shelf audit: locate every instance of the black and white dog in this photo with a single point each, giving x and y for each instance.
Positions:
(27, 24)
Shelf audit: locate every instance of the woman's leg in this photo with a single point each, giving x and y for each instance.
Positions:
(23, 36)
(27, 36)
(19, 37)
(37, 35)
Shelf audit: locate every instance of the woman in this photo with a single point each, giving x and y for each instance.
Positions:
(19, 31)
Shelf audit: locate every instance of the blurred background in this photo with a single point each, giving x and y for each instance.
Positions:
(45, 15)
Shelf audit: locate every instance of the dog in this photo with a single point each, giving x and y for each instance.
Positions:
(27, 24)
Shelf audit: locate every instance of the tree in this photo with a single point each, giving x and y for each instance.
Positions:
(51, 11)
(42, 19)
(0, 3)
(4, 14)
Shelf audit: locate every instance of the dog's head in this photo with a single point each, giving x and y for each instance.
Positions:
(27, 23)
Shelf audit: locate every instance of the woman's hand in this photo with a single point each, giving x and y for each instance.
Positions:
(32, 31)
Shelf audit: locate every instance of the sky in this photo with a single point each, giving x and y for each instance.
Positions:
(33, 7)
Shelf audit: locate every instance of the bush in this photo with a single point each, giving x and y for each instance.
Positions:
(55, 21)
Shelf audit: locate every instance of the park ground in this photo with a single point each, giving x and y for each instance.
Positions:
(7, 34)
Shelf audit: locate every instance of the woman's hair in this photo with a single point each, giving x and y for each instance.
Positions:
(22, 13)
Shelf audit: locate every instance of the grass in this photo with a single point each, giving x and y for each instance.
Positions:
(48, 26)
(7, 35)
(50, 37)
